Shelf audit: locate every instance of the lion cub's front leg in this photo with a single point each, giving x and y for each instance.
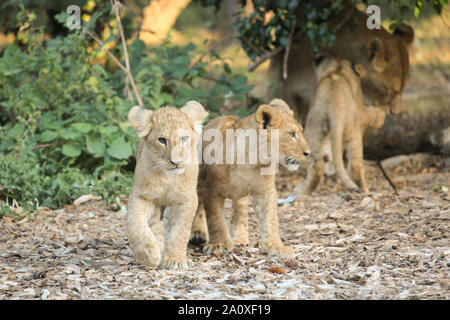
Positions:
(266, 208)
(177, 227)
(142, 240)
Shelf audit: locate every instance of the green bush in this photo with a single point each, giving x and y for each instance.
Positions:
(63, 118)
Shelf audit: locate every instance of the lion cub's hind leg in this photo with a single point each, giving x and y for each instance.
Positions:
(219, 239)
(239, 222)
(199, 232)
(316, 166)
(356, 164)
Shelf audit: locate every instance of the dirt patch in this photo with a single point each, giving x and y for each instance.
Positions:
(348, 246)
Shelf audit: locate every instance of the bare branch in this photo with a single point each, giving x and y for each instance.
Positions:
(251, 45)
(44, 145)
(209, 49)
(387, 177)
(264, 58)
(102, 45)
(116, 7)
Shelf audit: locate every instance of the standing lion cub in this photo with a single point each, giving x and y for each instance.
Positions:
(338, 117)
(165, 175)
(239, 181)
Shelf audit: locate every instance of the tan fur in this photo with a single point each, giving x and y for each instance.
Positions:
(382, 54)
(338, 116)
(158, 182)
(239, 181)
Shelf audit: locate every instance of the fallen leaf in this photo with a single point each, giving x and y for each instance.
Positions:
(276, 270)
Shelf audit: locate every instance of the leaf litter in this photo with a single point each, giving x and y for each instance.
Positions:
(347, 246)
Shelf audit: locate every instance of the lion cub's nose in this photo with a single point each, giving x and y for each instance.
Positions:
(175, 163)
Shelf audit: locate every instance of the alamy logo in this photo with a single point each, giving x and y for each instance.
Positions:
(243, 147)
(74, 19)
(374, 20)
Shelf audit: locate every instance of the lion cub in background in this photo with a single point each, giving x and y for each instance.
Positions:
(338, 117)
(164, 178)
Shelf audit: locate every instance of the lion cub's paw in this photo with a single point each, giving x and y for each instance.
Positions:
(149, 257)
(302, 190)
(176, 264)
(220, 248)
(353, 187)
(279, 250)
(241, 242)
(197, 238)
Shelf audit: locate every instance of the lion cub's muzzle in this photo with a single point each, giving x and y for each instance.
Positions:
(177, 168)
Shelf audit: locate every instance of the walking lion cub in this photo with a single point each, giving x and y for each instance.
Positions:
(238, 182)
(338, 117)
(165, 176)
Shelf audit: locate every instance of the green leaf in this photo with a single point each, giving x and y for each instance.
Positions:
(119, 149)
(71, 150)
(83, 127)
(17, 130)
(108, 129)
(49, 135)
(69, 134)
(95, 146)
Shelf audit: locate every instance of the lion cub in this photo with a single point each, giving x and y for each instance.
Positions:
(236, 181)
(166, 175)
(338, 116)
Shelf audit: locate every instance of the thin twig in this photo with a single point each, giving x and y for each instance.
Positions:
(44, 145)
(387, 177)
(209, 49)
(116, 7)
(102, 45)
(264, 57)
(347, 16)
(251, 45)
(288, 49)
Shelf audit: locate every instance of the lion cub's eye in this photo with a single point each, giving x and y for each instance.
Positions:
(185, 138)
(292, 133)
(163, 141)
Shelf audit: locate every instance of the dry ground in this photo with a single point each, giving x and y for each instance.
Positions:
(386, 247)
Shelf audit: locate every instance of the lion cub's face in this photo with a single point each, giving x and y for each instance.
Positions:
(293, 147)
(168, 135)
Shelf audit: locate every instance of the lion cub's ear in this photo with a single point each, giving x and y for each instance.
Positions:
(267, 117)
(139, 119)
(359, 70)
(196, 113)
(281, 105)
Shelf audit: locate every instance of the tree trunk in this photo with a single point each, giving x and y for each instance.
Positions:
(159, 18)
(408, 133)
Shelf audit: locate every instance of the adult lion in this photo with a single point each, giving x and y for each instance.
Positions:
(383, 55)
